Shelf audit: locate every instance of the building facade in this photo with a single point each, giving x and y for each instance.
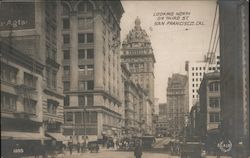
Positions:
(136, 121)
(210, 116)
(32, 28)
(137, 55)
(234, 46)
(91, 69)
(21, 106)
(177, 102)
(195, 72)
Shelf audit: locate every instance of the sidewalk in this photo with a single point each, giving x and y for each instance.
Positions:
(219, 157)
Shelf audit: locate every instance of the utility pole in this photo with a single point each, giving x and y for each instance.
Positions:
(84, 126)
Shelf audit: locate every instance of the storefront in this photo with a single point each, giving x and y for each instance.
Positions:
(22, 144)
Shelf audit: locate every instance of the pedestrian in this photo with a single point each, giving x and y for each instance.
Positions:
(82, 147)
(138, 149)
(78, 147)
(70, 147)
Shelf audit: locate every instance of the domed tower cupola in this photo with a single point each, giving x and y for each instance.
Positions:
(137, 23)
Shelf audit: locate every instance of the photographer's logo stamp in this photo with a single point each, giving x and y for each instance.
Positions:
(225, 145)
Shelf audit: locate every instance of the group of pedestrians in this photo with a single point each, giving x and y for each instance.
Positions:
(80, 147)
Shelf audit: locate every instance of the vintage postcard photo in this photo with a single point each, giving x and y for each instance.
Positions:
(124, 78)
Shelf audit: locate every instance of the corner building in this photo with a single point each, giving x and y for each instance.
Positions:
(30, 32)
(91, 65)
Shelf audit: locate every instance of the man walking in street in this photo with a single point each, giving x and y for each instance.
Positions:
(138, 149)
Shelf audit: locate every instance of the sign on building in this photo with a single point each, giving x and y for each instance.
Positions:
(17, 15)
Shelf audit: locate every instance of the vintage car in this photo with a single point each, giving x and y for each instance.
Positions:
(93, 146)
(191, 149)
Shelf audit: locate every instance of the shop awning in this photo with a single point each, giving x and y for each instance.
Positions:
(22, 135)
(57, 136)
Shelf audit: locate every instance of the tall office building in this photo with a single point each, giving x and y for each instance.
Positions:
(139, 57)
(177, 102)
(195, 72)
(91, 68)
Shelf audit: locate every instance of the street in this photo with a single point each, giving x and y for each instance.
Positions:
(115, 154)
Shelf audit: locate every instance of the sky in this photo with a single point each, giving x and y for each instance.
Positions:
(172, 44)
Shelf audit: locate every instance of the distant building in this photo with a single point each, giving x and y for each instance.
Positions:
(195, 72)
(209, 93)
(138, 56)
(177, 102)
(234, 46)
(162, 123)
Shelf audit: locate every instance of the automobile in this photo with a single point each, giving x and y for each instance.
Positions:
(147, 141)
(191, 149)
(93, 146)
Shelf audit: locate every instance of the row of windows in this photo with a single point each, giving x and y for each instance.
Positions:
(82, 38)
(86, 100)
(197, 74)
(8, 103)
(83, 23)
(197, 79)
(80, 117)
(214, 86)
(82, 54)
(9, 74)
(214, 117)
(214, 102)
(204, 68)
(82, 85)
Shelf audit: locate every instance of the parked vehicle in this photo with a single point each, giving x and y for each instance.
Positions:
(191, 149)
(93, 146)
(147, 141)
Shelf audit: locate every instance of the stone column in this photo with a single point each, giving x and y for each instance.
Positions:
(98, 43)
(73, 32)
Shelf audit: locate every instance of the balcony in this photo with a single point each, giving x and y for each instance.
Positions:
(23, 115)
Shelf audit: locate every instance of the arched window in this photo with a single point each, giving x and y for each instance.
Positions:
(85, 7)
(65, 9)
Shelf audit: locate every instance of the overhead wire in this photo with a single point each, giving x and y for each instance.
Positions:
(212, 42)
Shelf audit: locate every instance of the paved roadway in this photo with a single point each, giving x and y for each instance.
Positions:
(157, 152)
(115, 154)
